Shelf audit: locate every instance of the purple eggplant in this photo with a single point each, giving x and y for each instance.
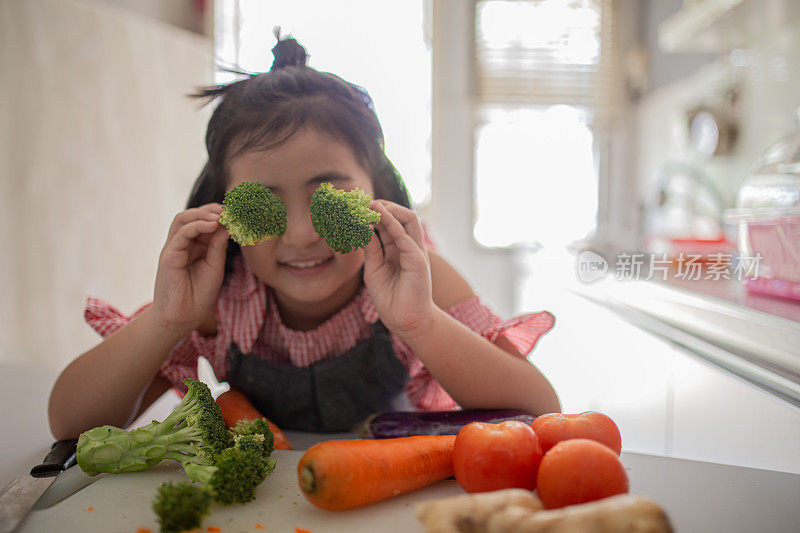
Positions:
(410, 423)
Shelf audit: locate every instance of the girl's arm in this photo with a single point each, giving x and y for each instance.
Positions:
(109, 383)
(475, 372)
(117, 379)
(450, 288)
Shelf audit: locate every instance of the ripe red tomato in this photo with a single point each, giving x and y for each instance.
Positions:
(578, 471)
(496, 456)
(554, 427)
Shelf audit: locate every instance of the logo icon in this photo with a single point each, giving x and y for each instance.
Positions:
(591, 266)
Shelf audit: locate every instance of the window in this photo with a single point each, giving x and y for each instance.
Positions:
(540, 78)
(380, 46)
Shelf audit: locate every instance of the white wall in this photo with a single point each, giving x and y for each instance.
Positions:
(98, 150)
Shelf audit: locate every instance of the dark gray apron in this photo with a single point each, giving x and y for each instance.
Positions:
(331, 395)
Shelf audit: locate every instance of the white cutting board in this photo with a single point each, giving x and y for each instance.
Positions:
(122, 504)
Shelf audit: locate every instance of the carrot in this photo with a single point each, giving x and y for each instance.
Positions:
(235, 406)
(344, 474)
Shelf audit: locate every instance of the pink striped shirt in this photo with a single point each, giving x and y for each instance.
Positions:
(247, 314)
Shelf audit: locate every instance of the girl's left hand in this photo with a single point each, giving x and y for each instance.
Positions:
(397, 269)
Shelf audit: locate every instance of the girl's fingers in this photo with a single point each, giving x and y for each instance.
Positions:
(398, 234)
(373, 254)
(205, 212)
(185, 236)
(408, 219)
(217, 247)
(387, 241)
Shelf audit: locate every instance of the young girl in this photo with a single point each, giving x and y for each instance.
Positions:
(318, 341)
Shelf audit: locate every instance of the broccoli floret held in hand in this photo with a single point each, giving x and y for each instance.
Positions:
(181, 506)
(193, 433)
(253, 214)
(343, 218)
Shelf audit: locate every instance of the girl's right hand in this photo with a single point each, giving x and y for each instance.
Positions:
(190, 268)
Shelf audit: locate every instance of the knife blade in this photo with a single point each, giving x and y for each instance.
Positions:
(18, 497)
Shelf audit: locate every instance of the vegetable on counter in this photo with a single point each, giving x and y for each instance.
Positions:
(489, 457)
(181, 506)
(236, 408)
(555, 427)
(409, 423)
(345, 474)
(233, 477)
(253, 213)
(342, 217)
(228, 465)
(471, 512)
(578, 471)
(520, 511)
(194, 432)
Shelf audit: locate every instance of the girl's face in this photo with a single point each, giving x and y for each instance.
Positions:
(309, 279)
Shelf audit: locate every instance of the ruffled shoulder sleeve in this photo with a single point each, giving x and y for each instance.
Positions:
(523, 331)
(106, 319)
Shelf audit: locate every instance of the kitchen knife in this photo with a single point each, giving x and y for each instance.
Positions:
(19, 496)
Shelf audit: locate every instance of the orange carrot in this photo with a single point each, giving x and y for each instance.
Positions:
(344, 474)
(235, 406)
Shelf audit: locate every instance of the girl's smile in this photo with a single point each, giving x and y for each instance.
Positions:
(306, 267)
(310, 281)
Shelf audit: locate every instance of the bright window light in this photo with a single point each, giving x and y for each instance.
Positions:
(387, 55)
(535, 176)
(538, 70)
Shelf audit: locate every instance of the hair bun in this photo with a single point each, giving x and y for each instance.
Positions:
(288, 53)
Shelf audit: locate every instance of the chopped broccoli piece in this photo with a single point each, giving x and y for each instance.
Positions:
(253, 214)
(343, 218)
(181, 506)
(193, 433)
(235, 474)
(246, 433)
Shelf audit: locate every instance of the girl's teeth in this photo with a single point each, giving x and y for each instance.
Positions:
(306, 264)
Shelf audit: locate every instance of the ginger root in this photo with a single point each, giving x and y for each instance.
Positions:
(520, 511)
(469, 513)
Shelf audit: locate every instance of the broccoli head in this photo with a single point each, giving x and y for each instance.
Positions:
(193, 433)
(181, 506)
(247, 433)
(235, 474)
(253, 214)
(343, 218)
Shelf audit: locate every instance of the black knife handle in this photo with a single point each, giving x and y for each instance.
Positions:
(61, 457)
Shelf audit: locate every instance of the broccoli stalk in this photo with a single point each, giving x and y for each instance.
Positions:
(181, 506)
(343, 218)
(253, 213)
(193, 433)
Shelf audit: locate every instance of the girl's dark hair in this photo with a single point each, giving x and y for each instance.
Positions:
(264, 110)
